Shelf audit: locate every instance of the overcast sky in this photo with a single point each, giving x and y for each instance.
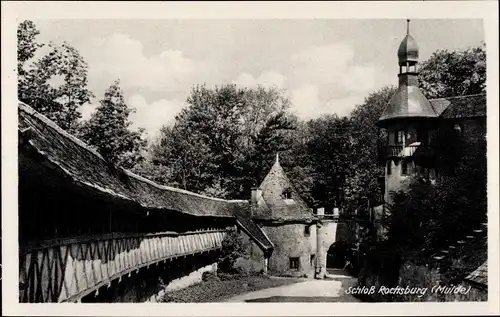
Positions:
(325, 66)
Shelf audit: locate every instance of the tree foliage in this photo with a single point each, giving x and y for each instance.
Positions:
(54, 84)
(363, 188)
(329, 149)
(427, 217)
(26, 44)
(220, 141)
(225, 141)
(108, 130)
(232, 249)
(454, 73)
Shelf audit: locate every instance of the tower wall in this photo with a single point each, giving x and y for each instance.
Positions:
(292, 241)
(326, 236)
(330, 231)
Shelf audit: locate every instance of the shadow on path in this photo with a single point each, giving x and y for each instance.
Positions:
(303, 299)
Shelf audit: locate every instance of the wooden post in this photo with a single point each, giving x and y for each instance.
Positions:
(266, 263)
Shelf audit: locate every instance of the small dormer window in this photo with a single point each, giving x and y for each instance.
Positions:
(287, 194)
(457, 128)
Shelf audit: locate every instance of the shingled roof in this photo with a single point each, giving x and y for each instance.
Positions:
(253, 230)
(86, 167)
(407, 102)
(460, 107)
(274, 205)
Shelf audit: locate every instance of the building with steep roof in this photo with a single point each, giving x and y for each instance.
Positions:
(85, 223)
(278, 209)
(416, 126)
(301, 239)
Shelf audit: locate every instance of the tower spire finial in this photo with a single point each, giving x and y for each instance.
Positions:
(277, 158)
(407, 26)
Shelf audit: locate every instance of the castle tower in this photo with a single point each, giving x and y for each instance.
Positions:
(410, 122)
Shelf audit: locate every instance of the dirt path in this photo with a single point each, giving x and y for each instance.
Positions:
(330, 289)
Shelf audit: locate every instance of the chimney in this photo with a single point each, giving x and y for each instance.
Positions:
(256, 195)
(320, 211)
(335, 211)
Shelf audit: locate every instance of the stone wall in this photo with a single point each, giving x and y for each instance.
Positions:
(332, 232)
(291, 241)
(255, 260)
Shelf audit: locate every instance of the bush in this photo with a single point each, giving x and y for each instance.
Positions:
(232, 250)
(209, 276)
(427, 217)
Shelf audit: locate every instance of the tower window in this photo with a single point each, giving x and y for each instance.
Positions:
(294, 263)
(422, 135)
(400, 136)
(389, 168)
(404, 167)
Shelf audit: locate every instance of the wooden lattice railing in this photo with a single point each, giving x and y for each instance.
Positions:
(65, 270)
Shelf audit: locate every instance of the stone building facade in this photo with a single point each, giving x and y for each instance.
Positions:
(284, 217)
(417, 127)
(299, 236)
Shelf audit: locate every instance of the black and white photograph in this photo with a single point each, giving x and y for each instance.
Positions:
(253, 160)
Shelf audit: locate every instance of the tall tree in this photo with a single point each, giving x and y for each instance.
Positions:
(454, 73)
(26, 44)
(108, 130)
(218, 142)
(329, 151)
(55, 84)
(363, 187)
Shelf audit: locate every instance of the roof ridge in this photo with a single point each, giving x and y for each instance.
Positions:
(456, 97)
(180, 190)
(276, 167)
(26, 108)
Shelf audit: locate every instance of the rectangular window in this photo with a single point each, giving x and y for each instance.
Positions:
(389, 168)
(400, 136)
(294, 263)
(307, 230)
(313, 257)
(404, 168)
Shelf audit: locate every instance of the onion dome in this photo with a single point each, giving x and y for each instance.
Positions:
(408, 49)
(408, 102)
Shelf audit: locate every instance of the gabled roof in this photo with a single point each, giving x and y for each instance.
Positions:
(87, 167)
(253, 230)
(460, 107)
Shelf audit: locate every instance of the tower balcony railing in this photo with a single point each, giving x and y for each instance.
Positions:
(390, 151)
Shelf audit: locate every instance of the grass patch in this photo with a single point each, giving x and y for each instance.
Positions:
(219, 289)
